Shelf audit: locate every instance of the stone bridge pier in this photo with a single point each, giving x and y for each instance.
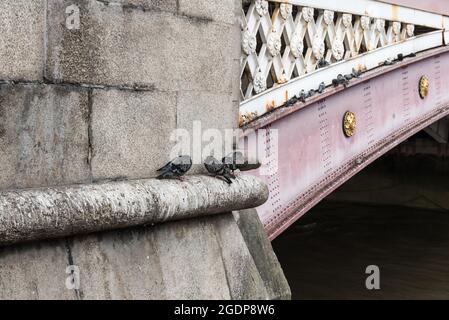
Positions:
(90, 94)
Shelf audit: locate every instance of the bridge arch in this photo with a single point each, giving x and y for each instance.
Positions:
(298, 121)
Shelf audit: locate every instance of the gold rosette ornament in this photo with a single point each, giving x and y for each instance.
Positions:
(349, 124)
(423, 87)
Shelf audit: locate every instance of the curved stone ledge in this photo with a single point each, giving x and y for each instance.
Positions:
(61, 211)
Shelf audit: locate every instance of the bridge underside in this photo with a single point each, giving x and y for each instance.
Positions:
(314, 156)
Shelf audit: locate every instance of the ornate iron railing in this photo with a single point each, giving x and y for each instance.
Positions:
(284, 41)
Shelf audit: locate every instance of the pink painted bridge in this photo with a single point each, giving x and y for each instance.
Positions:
(291, 48)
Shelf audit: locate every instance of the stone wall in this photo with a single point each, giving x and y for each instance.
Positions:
(96, 99)
(206, 258)
(99, 100)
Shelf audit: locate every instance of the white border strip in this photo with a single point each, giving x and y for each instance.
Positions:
(375, 9)
(276, 97)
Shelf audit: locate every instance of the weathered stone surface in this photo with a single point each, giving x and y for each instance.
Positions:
(186, 62)
(119, 265)
(204, 258)
(263, 255)
(54, 212)
(198, 247)
(43, 135)
(119, 46)
(131, 132)
(22, 39)
(216, 111)
(226, 11)
(35, 271)
(164, 5)
(244, 280)
(180, 260)
(202, 111)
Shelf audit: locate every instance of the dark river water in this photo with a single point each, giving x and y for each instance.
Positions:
(325, 254)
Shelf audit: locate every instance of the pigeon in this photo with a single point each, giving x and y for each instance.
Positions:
(335, 83)
(291, 102)
(321, 88)
(342, 80)
(175, 168)
(218, 169)
(236, 160)
(302, 96)
(322, 63)
(311, 93)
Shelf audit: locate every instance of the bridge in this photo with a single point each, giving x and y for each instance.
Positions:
(320, 137)
(92, 93)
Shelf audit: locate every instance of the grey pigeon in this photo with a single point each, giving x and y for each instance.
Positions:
(175, 168)
(218, 169)
(302, 96)
(341, 79)
(321, 88)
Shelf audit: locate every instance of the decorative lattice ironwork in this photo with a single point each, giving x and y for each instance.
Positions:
(281, 41)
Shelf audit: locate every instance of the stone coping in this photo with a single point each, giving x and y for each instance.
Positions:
(52, 212)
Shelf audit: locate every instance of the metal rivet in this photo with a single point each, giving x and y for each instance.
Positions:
(424, 87)
(349, 124)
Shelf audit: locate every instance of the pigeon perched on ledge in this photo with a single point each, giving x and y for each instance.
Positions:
(322, 63)
(218, 169)
(175, 168)
(321, 88)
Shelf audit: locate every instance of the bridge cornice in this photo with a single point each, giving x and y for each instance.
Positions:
(282, 112)
(62, 211)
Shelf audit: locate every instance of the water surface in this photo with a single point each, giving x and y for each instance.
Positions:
(325, 254)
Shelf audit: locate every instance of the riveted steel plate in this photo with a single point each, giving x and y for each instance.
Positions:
(314, 157)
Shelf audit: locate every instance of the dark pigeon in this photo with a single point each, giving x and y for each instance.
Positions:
(218, 169)
(291, 102)
(175, 168)
(322, 63)
(342, 80)
(335, 83)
